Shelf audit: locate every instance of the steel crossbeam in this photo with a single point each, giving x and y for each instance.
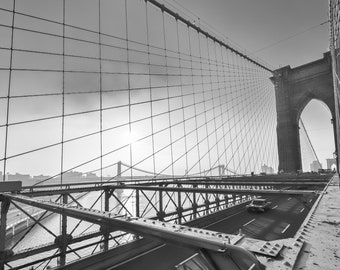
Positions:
(244, 191)
(48, 190)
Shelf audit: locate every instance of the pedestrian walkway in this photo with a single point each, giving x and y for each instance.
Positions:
(321, 232)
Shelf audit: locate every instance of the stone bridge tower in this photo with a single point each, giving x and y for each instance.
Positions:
(294, 89)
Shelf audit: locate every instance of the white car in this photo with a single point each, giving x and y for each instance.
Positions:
(258, 205)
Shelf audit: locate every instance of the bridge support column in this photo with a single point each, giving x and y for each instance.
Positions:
(179, 206)
(233, 199)
(217, 201)
(207, 202)
(63, 244)
(294, 89)
(161, 212)
(335, 54)
(106, 233)
(137, 204)
(119, 169)
(194, 204)
(288, 136)
(3, 252)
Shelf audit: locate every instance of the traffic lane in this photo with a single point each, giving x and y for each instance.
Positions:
(164, 257)
(282, 220)
(15, 214)
(254, 225)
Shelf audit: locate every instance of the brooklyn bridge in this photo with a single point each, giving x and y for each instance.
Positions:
(133, 136)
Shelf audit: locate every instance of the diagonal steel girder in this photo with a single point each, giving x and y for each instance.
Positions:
(161, 231)
(220, 247)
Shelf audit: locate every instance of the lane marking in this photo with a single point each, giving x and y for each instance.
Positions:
(218, 221)
(248, 222)
(139, 255)
(286, 228)
(252, 267)
(276, 206)
(302, 210)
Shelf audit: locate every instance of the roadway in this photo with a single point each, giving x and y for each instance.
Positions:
(15, 215)
(281, 221)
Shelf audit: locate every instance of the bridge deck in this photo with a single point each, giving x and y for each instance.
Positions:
(282, 221)
(321, 232)
(288, 210)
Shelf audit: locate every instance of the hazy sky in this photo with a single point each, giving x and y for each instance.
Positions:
(262, 24)
(254, 24)
(140, 100)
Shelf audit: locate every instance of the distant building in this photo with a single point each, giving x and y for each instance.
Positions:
(18, 177)
(72, 174)
(90, 175)
(331, 163)
(315, 166)
(40, 177)
(26, 179)
(267, 169)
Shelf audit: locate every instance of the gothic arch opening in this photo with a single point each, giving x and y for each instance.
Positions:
(316, 130)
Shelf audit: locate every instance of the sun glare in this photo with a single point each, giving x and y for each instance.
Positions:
(131, 137)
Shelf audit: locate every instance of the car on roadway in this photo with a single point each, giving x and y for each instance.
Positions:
(258, 205)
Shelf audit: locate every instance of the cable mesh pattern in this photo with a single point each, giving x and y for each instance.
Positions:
(125, 82)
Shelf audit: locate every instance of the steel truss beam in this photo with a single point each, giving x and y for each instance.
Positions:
(38, 191)
(221, 191)
(187, 212)
(181, 201)
(158, 230)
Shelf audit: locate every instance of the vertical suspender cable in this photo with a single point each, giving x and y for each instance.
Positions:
(129, 79)
(168, 95)
(222, 78)
(310, 142)
(245, 138)
(194, 99)
(214, 81)
(9, 93)
(182, 100)
(218, 95)
(150, 87)
(100, 97)
(63, 99)
(239, 136)
(228, 89)
(205, 105)
(233, 90)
